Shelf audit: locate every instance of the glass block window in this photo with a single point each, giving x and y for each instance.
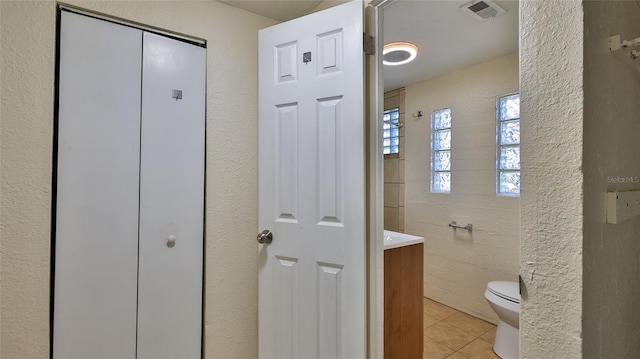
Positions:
(508, 128)
(390, 130)
(441, 151)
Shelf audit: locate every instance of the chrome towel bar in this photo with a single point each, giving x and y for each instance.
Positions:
(454, 225)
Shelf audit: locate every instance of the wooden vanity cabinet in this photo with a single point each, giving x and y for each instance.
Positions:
(403, 302)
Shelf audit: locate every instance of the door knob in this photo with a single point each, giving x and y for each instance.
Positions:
(265, 237)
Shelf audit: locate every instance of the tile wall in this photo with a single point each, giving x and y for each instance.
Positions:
(394, 171)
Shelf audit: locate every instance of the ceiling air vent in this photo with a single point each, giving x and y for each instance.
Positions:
(482, 10)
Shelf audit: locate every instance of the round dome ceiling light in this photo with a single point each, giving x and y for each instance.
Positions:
(399, 53)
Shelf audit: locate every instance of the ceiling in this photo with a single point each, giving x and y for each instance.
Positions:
(447, 38)
(281, 10)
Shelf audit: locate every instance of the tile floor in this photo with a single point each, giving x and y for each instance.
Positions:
(451, 334)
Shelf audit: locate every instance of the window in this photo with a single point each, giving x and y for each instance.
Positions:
(508, 128)
(390, 138)
(441, 151)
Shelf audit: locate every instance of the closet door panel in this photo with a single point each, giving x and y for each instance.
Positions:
(171, 199)
(96, 237)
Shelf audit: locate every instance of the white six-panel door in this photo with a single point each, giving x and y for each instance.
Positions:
(312, 171)
(130, 194)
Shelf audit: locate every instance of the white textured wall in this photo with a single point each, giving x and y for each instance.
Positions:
(27, 89)
(551, 67)
(458, 265)
(611, 319)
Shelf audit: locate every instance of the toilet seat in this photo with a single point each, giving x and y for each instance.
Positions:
(506, 290)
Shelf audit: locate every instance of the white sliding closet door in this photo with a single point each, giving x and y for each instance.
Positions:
(171, 199)
(130, 193)
(97, 190)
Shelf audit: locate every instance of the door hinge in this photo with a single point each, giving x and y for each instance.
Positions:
(368, 44)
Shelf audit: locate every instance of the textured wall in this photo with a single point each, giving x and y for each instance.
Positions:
(458, 265)
(330, 3)
(551, 65)
(611, 321)
(27, 69)
(26, 111)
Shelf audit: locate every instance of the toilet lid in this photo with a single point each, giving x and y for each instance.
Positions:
(507, 290)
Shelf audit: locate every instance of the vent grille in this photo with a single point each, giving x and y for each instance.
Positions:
(482, 10)
(478, 7)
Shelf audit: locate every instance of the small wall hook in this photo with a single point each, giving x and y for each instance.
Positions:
(418, 115)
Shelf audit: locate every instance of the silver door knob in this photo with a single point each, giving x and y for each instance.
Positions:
(265, 237)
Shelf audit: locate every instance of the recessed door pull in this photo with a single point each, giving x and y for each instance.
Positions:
(171, 241)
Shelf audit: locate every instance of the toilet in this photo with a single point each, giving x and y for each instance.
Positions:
(504, 298)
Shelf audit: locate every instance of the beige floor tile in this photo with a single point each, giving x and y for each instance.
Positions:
(469, 324)
(478, 349)
(452, 334)
(428, 321)
(435, 350)
(457, 355)
(489, 336)
(447, 334)
(436, 311)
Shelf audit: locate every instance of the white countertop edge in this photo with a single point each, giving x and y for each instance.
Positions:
(396, 240)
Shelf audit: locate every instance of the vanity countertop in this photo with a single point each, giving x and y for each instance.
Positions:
(395, 239)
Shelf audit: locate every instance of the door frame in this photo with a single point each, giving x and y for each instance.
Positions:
(374, 95)
(374, 102)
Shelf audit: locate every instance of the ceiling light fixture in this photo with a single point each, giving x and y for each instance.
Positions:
(399, 53)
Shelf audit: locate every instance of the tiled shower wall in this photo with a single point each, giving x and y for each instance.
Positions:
(394, 170)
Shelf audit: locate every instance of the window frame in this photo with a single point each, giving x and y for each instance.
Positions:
(500, 146)
(392, 126)
(434, 151)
